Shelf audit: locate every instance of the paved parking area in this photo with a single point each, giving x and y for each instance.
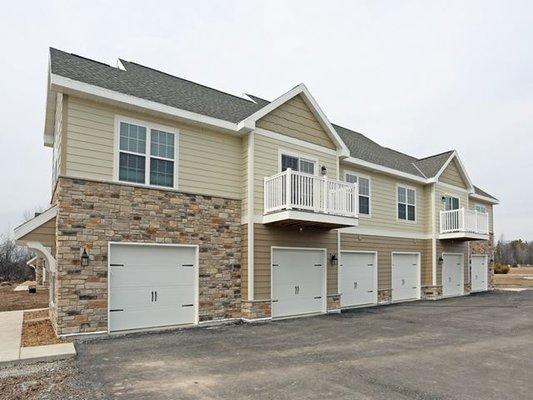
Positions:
(476, 347)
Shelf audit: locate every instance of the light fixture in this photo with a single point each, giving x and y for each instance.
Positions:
(334, 259)
(324, 170)
(441, 260)
(84, 258)
(443, 199)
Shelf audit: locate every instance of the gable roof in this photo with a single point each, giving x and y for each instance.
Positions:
(430, 166)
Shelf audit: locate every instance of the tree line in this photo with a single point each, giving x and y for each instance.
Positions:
(514, 252)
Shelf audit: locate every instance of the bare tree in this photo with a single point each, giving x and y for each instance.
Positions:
(13, 259)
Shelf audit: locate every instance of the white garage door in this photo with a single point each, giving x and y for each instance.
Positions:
(298, 281)
(152, 286)
(358, 278)
(405, 276)
(452, 274)
(480, 273)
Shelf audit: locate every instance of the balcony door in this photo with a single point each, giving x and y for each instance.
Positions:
(451, 203)
(302, 186)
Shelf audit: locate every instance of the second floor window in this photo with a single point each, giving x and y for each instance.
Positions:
(146, 155)
(480, 208)
(406, 204)
(364, 192)
(451, 203)
(297, 164)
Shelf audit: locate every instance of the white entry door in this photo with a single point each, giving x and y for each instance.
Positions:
(480, 273)
(405, 276)
(358, 278)
(298, 281)
(452, 275)
(152, 286)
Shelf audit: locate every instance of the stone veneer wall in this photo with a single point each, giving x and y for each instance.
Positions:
(485, 247)
(91, 214)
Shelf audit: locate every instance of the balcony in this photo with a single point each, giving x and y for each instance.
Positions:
(295, 198)
(463, 224)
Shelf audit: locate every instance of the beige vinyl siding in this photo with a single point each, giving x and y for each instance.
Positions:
(441, 191)
(490, 211)
(295, 119)
(266, 162)
(45, 234)
(209, 161)
(267, 236)
(452, 246)
(452, 175)
(383, 203)
(385, 246)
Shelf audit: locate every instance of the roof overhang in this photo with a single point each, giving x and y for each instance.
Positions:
(301, 89)
(32, 224)
(385, 170)
(484, 198)
(462, 170)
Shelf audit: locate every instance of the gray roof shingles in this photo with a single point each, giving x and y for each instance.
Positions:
(150, 84)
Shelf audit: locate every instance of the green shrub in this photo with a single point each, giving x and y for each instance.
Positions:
(501, 268)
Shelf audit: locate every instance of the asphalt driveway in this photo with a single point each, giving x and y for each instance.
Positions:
(476, 347)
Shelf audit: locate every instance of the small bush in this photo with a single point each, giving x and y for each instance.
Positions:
(501, 268)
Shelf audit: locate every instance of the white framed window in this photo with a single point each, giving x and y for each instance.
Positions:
(406, 203)
(481, 208)
(146, 154)
(297, 162)
(364, 191)
(451, 203)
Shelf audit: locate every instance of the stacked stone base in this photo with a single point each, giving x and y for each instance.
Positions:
(257, 309)
(384, 296)
(431, 292)
(334, 303)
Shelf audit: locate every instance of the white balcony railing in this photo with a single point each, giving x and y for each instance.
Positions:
(463, 220)
(295, 190)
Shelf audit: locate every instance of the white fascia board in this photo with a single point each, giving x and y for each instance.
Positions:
(35, 222)
(385, 170)
(49, 113)
(249, 122)
(484, 198)
(61, 83)
(461, 167)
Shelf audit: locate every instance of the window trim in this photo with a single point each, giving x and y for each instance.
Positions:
(282, 152)
(453, 197)
(358, 175)
(396, 202)
(481, 205)
(149, 126)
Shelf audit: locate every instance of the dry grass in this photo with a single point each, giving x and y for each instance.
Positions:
(516, 278)
(11, 300)
(521, 271)
(36, 315)
(37, 329)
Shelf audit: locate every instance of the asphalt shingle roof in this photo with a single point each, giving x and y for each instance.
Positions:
(150, 84)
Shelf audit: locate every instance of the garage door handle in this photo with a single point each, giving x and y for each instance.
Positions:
(116, 310)
(152, 296)
(187, 305)
(317, 297)
(116, 265)
(155, 296)
(187, 265)
(370, 291)
(318, 265)
(275, 301)
(414, 287)
(275, 265)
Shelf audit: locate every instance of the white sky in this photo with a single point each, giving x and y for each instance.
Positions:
(418, 76)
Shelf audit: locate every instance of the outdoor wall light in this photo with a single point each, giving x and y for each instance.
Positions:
(334, 259)
(441, 260)
(324, 170)
(84, 258)
(443, 199)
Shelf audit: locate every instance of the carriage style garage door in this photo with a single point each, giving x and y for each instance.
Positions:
(298, 281)
(152, 286)
(452, 274)
(358, 278)
(405, 276)
(480, 273)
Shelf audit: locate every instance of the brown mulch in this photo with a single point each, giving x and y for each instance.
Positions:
(11, 300)
(38, 332)
(36, 315)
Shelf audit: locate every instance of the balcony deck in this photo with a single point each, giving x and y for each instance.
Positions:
(463, 224)
(295, 198)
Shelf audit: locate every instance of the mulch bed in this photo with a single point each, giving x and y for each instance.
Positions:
(11, 300)
(37, 329)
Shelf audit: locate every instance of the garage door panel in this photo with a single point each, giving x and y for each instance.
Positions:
(150, 284)
(480, 273)
(357, 277)
(405, 277)
(452, 275)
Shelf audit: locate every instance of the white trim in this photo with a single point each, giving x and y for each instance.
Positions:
(385, 170)
(251, 212)
(250, 121)
(45, 252)
(406, 220)
(462, 170)
(30, 262)
(433, 235)
(464, 235)
(462, 274)
(58, 82)
(364, 176)
(419, 266)
(484, 198)
(324, 283)
(299, 156)
(376, 286)
(196, 277)
(294, 141)
(309, 216)
(357, 230)
(147, 155)
(35, 222)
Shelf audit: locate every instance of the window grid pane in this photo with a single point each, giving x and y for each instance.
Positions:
(364, 205)
(161, 172)
(401, 194)
(162, 144)
(351, 178)
(410, 196)
(132, 168)
(411, 213)
(364, 186)
(307, 166)
(289, 162)
(401, 211)
(132, 138)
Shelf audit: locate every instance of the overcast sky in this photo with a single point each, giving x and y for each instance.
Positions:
(418, 76)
